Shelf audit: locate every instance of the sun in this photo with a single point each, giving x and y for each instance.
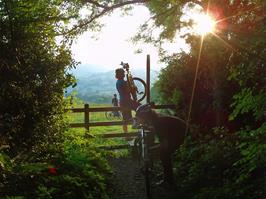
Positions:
(203, 24)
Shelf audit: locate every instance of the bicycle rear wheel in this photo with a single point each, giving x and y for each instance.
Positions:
(141, 88)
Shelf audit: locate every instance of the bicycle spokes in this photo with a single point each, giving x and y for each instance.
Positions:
(140, 88)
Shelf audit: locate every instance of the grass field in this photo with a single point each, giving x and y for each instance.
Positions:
(96, 131)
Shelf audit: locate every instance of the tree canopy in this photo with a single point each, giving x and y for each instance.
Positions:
(231, 60)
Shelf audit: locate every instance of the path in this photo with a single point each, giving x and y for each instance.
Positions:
(129, 182)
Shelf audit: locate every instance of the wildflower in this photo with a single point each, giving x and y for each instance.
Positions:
(52, 170)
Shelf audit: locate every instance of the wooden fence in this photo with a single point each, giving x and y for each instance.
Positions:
(88, 124)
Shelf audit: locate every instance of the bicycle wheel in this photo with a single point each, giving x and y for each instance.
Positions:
(109, 115)
(146, 163)
(119, 115)
(116, 114)
(141, 88)
(147, 180)
(144, 167)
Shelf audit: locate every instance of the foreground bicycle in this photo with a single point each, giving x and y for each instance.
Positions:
(136, 85)
(144, 144)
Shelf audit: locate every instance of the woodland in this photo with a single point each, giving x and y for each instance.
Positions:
(224, 152)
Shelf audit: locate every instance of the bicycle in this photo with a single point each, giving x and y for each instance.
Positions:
(111, 115)
(144, 143)
(136, 85)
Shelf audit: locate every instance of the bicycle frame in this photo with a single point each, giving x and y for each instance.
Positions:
(132, 87)
(144, 145)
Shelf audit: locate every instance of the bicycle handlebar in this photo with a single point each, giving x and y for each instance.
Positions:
(145, 127)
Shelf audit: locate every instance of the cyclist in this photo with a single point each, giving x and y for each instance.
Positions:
(171, 133)
(115, 104)
(71, 101)
(125, 101)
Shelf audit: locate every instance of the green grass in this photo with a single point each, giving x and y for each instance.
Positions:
(96, 131)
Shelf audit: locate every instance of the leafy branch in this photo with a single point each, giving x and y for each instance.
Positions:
(99, 11)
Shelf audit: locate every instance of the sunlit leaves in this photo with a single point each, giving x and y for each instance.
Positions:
(246, 101)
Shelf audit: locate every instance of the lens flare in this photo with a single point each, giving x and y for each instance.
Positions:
(203, 24)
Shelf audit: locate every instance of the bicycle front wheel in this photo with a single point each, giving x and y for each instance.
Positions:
(109, 115)
(140, 88)
(147, 180)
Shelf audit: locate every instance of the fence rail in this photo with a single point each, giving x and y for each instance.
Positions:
(87, 123)
(87, 110)
(102, 109)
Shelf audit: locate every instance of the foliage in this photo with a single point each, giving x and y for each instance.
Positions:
(228, 166)
(35, 41)
(252, 149)
(231, 61)
(33, 65)
(213, 91)
(80, 171)
(32, 73)
(246, 101)
(247, 65)
(230, 84)
(35, 56)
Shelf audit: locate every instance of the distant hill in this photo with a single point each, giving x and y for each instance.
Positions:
(86, 69)
(94, 85)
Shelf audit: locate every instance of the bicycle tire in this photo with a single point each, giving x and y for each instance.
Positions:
(119, 115)
(108, 115)
(147, 181)
(146, 165)
(140, 97)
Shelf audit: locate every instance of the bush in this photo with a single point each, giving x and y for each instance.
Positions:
(231, 167)
(78, 172)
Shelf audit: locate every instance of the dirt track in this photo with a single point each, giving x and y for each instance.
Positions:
(128, 181)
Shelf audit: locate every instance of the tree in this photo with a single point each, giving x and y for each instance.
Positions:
(231, 76)
(32, 72)
(238, 37)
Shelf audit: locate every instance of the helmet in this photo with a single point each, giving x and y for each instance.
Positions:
(143, 111)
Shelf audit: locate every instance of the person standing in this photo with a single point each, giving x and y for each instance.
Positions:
(125, 101)
(115, 104)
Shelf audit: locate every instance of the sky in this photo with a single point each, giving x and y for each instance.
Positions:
(113, 46)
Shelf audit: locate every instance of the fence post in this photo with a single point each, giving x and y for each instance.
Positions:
(148, 71)
(87, 116)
